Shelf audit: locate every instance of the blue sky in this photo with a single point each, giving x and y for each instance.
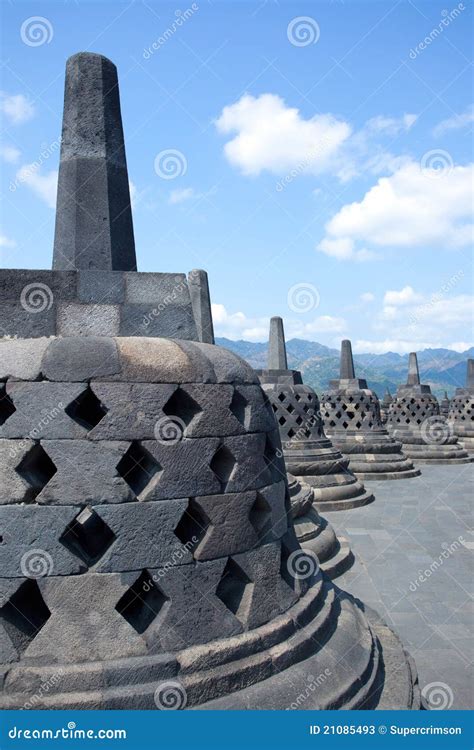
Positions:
(321, 156)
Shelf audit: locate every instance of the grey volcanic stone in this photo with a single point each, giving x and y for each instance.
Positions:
(88, 320)
(101, 287)
(201, 303)
(14, 487)
(132, 409)
(85, 474)
(175, 321)
(31, 542)
(22, 359)
(78, 359)
(40, 411)
(94, 227)
(276, 346)
(14, 318)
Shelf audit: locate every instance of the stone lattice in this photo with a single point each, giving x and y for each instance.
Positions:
(461, 411)
(414, 418)
(352, 420)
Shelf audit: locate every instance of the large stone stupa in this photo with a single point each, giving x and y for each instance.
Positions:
(352, 421)
(461, 410)
(309, 454)
(414, 419)
(148, 555)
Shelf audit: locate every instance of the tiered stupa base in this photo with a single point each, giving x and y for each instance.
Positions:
(415, 447)
(375, 457)
(320, 465)
(315, 534)
(251, 673)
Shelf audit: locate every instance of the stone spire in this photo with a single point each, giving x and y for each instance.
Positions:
(470, 375)
(347, 361)
(94, 229)
(277, 347)
(413, 371)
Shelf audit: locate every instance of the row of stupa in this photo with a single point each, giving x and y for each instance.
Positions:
(149, 551)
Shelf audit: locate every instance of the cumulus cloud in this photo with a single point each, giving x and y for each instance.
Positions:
(10, 154)
(410, 208)
(45, 186)
(274, 137)
(277, 138)
(404, 296)
(457, 122)
(16, 108)
(239, 326)
(181, 195)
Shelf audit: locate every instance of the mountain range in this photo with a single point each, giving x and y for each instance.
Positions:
(442, 369)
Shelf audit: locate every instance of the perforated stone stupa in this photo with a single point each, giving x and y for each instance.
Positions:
(351, 414)
(385, 406)
(309, 454)
(414, 418)
(461, 411)
(148, 545)
(444, 405)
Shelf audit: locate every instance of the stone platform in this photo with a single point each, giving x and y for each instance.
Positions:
(413, 552)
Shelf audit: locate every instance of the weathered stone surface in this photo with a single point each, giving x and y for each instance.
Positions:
(85, 474)
(77, 359)
(15, 488)
(201, 303)
(144, 536)
(31, 543)
(132, 410)
(162, 361)
(41, 411)
(101, 287)
(15, 320)
(175, 321)
(94, 227)
(22, 358)
(276, 346)
(88, 320)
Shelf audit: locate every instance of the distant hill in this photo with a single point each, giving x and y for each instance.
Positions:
(442, 369)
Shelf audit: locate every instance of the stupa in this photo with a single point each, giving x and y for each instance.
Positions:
(385, 406)
(351, 414)
(444, 405)
(461, 411)
(148, 558)
(309, 454)
(414, 419)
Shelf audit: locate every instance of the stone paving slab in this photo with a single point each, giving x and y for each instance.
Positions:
(414, 565)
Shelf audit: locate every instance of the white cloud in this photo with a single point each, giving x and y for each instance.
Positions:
(181, 195)
(460, 346)
(410, 208)
(391, 126)
(10, 154)
(457, 122)
(238, 326)
(45, 186)
(16, 108)
(6, 241)
(274, 137)
(405, 296)
(367, 297)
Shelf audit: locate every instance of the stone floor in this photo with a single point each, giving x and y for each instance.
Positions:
(413, 549)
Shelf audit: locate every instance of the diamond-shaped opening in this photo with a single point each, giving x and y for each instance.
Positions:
(299, 420)
(297, 397)
(87, 536)
(182, 406)
(192, 525)
(291, 433)
(282, 420)
(358, 425)
(7, 407)
(223, 465)
(87, 410)
(24, 615)
(350, 414)
(36, 468)
(138, 467)
(260, 517)
(235, 590)
(281, 397)
(141, 603)
(240, 408)
(290, 408)
(332, 423)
